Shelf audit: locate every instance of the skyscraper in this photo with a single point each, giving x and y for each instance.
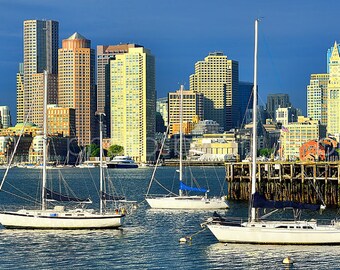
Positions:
(133, 103)
(104, 54)
(245, 100)
(20, 94)
(40, 53)
(76, 87)
(217, 78)
(275, 101)
(333, 93)
(317, 97)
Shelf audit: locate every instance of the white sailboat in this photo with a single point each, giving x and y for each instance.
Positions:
(59, 217)
(261, 231)
(181, 200)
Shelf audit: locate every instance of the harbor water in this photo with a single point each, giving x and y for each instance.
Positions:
(149, 238)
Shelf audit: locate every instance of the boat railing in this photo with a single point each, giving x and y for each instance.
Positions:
(153, 196)
(219, 220)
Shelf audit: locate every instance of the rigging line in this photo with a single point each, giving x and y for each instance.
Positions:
(247, 108)
(15, 149)
(316, 190)
(20, 191)
(21, 197)
(171, 192)
(117, 181)
(219, 181)
(157, 161)
(69, 191)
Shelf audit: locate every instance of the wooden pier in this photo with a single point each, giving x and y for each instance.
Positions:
(300, 182)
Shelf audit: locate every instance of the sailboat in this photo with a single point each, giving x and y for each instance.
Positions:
(59, 217)
(183, 200)
(261, 231)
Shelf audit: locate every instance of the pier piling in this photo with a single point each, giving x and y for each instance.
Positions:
(300, 182)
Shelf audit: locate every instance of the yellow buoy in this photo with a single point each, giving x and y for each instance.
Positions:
(288, 260)
(182, 240)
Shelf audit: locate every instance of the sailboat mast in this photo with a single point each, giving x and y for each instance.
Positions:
(101, 191)
(43, 189)
(181, 139)
(254, 142)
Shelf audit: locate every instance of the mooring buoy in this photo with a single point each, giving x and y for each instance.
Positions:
(288, 260)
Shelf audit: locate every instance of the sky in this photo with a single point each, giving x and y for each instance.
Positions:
(293, 37)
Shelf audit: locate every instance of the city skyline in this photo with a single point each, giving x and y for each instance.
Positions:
(293, 44)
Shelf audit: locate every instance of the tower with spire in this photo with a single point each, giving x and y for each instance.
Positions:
(333, 93)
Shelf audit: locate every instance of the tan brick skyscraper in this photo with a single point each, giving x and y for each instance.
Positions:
(76, 84)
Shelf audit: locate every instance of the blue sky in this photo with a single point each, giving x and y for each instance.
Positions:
(293, 37)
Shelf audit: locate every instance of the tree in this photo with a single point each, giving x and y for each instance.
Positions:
(265, 152)
(93, 150)
(115, 150)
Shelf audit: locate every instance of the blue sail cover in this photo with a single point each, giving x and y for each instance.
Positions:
(182, 186)
(108, 197)
(259, 201)
(51, 195)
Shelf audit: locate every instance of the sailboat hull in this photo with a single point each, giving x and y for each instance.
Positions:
(54, 221)
(316, 235)
(187, 202)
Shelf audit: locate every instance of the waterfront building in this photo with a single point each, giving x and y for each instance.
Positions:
(214, 147)
(216, 77)
(9, 137)
(295, 134)
(40, 54)
(61, 150)
(76, 87)
(319, 150)
(333, 94)
(27, 129)
(4, 158)
(172, 144)
(275, 101)
(22, 150)
(5, 115)
(104, 54)
(36, 150)
(192, 108)
(317, 97)
(286, 115)
(20, 94)
(133, 103)
(61, 120)
(187, 127)
(206, 127)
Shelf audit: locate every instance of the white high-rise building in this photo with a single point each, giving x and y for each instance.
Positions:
(317, 97)
(5, 115)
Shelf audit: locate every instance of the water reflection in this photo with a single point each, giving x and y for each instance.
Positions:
(244, 256)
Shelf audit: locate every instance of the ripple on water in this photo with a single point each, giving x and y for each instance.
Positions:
(149, 239)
